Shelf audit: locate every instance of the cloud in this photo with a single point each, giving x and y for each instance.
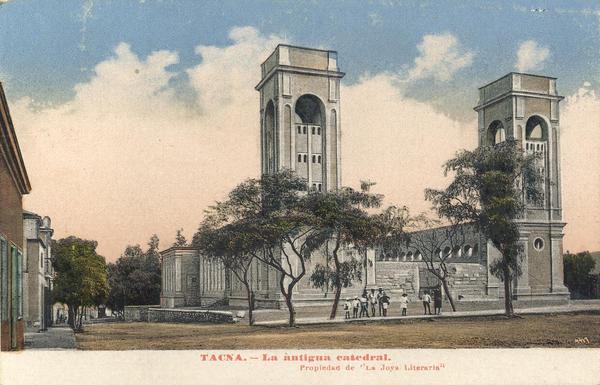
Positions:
(531, 56)
(440, 57)
(580, 119)
(125, 158)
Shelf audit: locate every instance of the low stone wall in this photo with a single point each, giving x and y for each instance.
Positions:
(189, 316)
(398, 277)
(468, 280)
(138, 313)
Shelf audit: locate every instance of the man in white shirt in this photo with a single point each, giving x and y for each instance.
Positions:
(426, 303)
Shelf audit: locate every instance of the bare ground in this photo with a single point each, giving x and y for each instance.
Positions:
(549, 330)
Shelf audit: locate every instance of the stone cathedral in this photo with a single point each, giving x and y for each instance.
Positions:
(300, 129)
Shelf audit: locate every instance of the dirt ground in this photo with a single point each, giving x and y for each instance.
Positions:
(549, 330)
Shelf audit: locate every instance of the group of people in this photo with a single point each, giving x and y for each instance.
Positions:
(373, 301)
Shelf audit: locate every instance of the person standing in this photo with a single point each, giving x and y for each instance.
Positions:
(426, 303)
(347, 307)
(437, 302)
(385, 303)
(364, 305)
(404, 303)
(379, 295)
(373, 301)
(355, 306)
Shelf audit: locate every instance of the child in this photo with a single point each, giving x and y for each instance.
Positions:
(355, 306)
(404, 303)
(347, 307)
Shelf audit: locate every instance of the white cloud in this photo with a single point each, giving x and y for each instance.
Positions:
(440, 57)
(531, 56)
(124, 158)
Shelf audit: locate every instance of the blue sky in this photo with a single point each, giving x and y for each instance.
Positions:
(46, 47)
(135, 116)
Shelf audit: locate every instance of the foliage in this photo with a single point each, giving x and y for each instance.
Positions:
(341, 221)
(486, 190)
(577, 268)
(180, 240)
(274, 228)
(81, 278)
(135, 277)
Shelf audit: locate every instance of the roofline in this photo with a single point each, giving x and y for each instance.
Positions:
(295, 46)
(14, 158)
(294, 69)
(517, 73)
(178, 248)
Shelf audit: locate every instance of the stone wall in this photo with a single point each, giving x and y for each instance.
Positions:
(468, 280)
(189, 316)
(398, 277)
(138, 313)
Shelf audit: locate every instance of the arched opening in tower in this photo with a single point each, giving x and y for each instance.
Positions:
(308, 110)
(496, 133)
(270, 139)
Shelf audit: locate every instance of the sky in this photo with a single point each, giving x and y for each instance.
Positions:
(134, 116)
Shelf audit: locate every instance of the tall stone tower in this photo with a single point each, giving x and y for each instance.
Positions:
(525, 107)
(300, 115)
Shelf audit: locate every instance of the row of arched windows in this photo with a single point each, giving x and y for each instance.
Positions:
(466, 251)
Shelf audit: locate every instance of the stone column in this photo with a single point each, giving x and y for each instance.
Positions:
(557, 279)
(523, 287)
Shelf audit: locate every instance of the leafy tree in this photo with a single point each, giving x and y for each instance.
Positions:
(430, 238)
(577, 268)
(229, 243)
(135, 278)
(180, 239)
(340, 221)
(268, 216)
(486, 191)
(81, 278)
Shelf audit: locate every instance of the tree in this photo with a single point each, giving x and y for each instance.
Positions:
(229, 243)
(267, 213)
(340, 221)
(81, 277)
(180, 239)
(430, 239)
(135, 277)
(486, 190)
(577, 268)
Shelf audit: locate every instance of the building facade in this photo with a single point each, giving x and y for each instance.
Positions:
(300, 130)
(38, 271)
(525, 107)
(14, 183)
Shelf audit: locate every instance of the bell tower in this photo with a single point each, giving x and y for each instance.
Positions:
(300, 115)
(524, 107)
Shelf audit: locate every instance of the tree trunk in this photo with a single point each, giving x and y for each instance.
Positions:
(448, 295)
(290, 306)
(508, 305)
(338, 287)
(71, 316)
(250, 304)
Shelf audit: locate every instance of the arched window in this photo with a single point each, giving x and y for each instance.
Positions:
(299, 158)
(304, 157)
(447, 252)
(304, 129)
(536, 129)
(468, 250)
(313, 130)
(456, 252)
(319, 159)
(496, 133)
(410, 256)
(299, 129)
(418, 255)
(318, 130)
